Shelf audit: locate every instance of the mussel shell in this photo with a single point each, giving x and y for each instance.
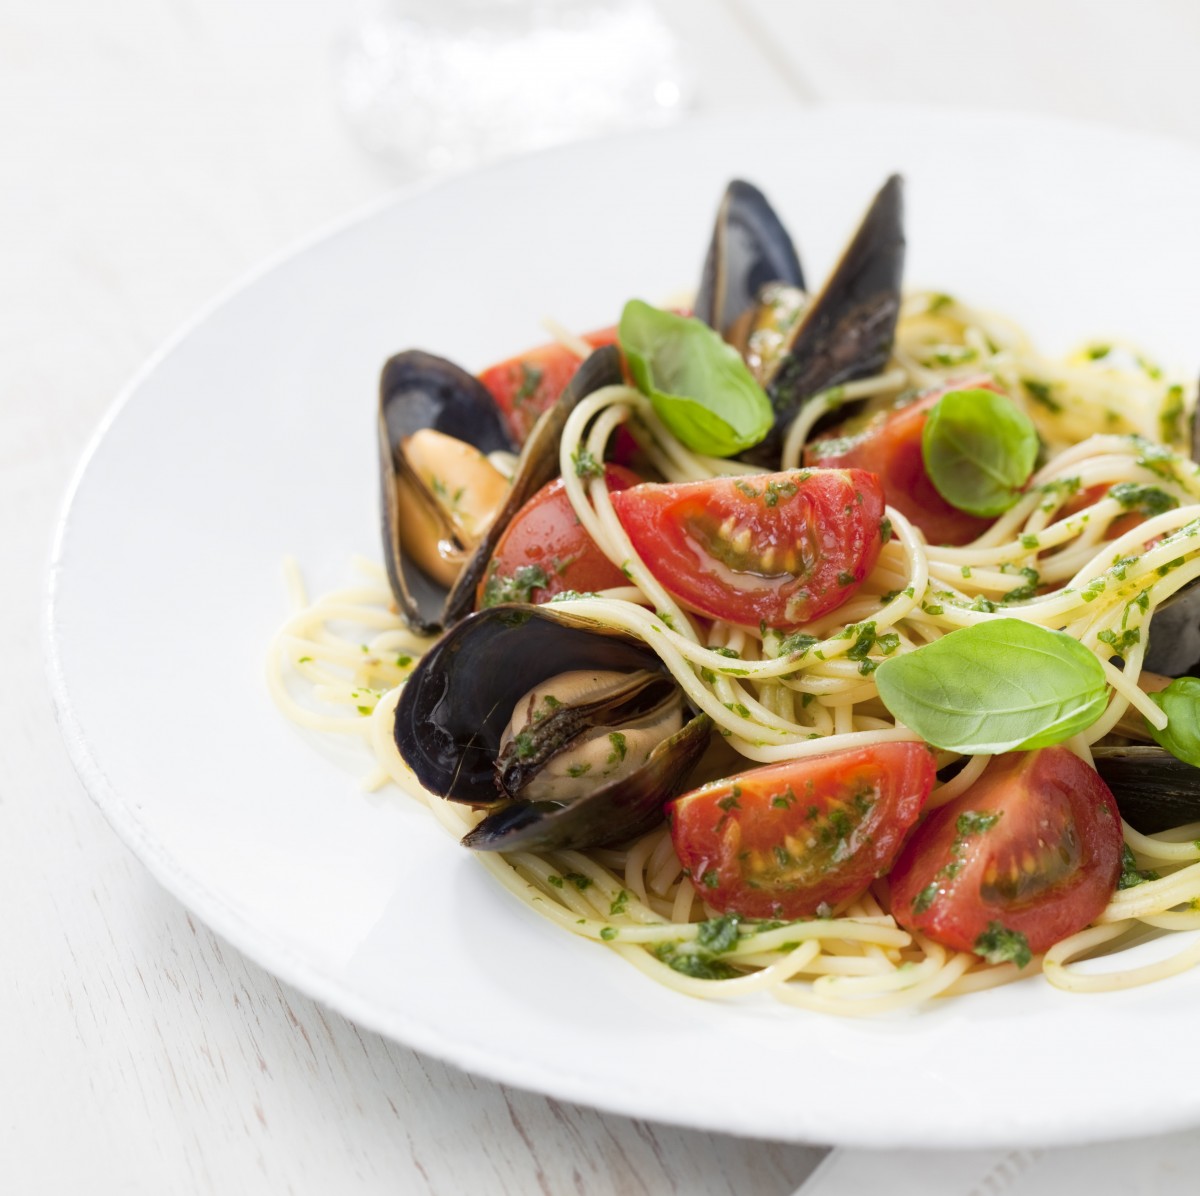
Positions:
(611, 813)
(848, 329)
(538, 464)
(418, 390)
(1154, 790)
(1174, 635)
(749, 248)
(455, 706)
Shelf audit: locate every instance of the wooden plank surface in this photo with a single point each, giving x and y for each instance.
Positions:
(152, 154)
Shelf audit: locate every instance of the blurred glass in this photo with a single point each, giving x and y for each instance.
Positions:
(442, 85)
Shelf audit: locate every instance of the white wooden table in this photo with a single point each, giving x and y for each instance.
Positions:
(150, 154)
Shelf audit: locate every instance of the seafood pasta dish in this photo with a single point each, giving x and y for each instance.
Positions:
(824, 641)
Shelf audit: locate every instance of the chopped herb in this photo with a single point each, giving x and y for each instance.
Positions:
(885, 530)
(1120, 644)
(745, 487)
(517, 588)
(1030, 542)
(608, 933)
(617, 754)
(619, 904)
(700, 968)
(718, 935)
(304, 659)
(925, 898)
(586, 465)
(1148, 500)
(710, 879)
(1131, 874)
(1170, 419)
(556, 881)
(998, 944)
(402, 662)
(1040, 393)
(1029, 590)
(846, 579)
(524, 745)
(578, 770)
(976, 822)
(580, 881)
(531, 379)
(777, 490)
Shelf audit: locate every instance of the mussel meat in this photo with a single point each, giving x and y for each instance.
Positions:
(570, 733)
(438, 534)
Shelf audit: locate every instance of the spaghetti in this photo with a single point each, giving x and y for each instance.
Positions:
(1108, 416)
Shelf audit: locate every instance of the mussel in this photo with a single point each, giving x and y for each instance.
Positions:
(571, 734)
(1154, 790)
(749, 249)
(842, 333)
(437, 541)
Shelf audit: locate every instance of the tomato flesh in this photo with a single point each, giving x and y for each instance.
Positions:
(1033, 847)
(889, 444)
(794, 839)
(525, 385)
(546, 550)
(780, 548)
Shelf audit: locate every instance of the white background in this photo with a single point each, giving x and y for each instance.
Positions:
(150, 153)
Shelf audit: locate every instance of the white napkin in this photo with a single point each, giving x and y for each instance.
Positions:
(1144, 1167)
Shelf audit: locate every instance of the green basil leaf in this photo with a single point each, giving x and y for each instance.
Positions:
(699, 386)
(1181, 735)
(979, 450)
(995, 687)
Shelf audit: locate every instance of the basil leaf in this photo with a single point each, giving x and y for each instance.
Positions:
(1181, 735)
(979, 450)
(700, 386)
(995, 687)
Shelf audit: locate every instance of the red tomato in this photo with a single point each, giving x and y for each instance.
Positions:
(545, 549)
(1033, 849)
(780, 548)
(889, 443)
(790, 839)
(525, 385)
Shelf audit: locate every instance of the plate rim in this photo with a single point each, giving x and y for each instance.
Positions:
(268, 949)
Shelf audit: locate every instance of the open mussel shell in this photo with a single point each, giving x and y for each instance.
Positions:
(1174, 635)
(537, 465)
(846, 332)
(611, 813)
(418, 390)
(1154, 790)
(456, 706)
(749, 249)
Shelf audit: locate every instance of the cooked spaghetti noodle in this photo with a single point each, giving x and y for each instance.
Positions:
(1108, 416)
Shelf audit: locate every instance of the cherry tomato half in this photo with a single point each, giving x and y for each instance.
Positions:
(546, 550)
(790, 839)
(1033, 849)
(889, 443)
(782, 548)
(525, 385)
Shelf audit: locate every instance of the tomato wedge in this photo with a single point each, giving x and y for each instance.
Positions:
(889, 443)
(546, 550)
(779, 548)
(525, 385)
(795, 839)
(1028, 855)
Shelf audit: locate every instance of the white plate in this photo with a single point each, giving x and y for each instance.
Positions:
(250, 436)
